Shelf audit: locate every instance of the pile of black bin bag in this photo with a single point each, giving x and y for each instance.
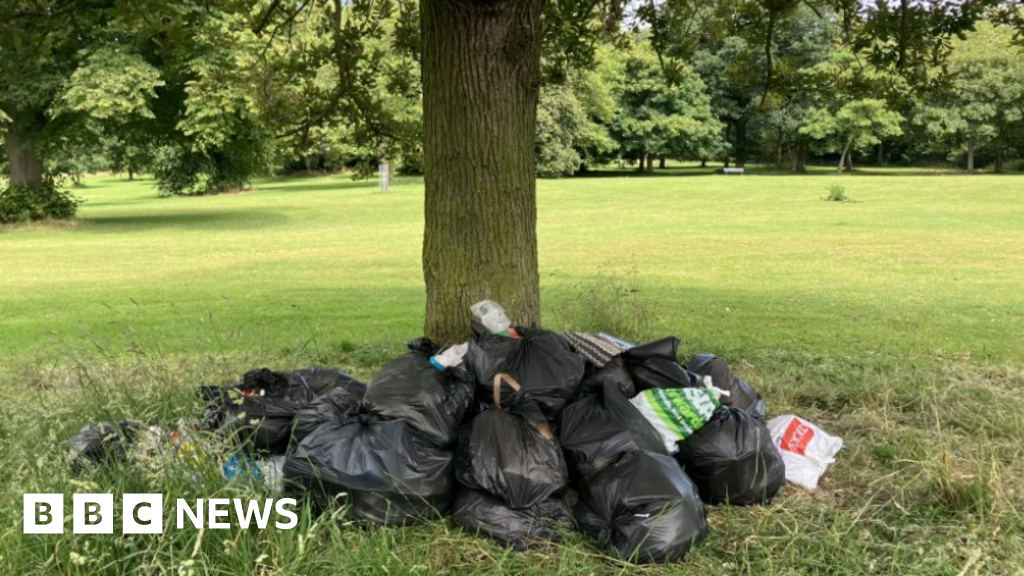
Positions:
(522, 442)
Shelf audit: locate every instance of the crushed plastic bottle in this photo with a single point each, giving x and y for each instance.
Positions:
(451, 356)
(492, 316)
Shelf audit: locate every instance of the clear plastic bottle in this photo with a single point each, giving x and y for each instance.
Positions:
(451, 356)
(492, 316)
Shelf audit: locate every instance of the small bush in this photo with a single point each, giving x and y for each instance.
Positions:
(836, 193)
(27, 202)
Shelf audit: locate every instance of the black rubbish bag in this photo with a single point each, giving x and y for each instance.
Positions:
(337, 406)
(643, 508)
(732, 459)
(322, 380)
(432, 402)
(654, 365)
(510, 452)
(258, 412)
(541, 361)
(481, 513)
(391, 474)
(741, 395)
(105, 442)
(613, 371)
(597, 430)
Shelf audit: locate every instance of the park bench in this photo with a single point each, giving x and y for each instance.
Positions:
(738, 171)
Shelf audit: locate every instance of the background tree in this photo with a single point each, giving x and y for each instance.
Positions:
(561, 131)
(663, 112)
(857, 125)
(983, 104)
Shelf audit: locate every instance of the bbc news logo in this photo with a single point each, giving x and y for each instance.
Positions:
(144, 513)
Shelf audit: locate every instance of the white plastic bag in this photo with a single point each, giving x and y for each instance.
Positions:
(806, 449)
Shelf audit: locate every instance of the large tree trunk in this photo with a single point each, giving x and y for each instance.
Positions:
(661, 163)
(481, 73)
(999, 160)
(650, 163)
(25, 165)
(881, 154)
(970, 154)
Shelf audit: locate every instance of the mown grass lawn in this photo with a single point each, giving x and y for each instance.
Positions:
(896, 321)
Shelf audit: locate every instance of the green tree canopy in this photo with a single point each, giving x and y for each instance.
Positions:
(663, 111)
(983, 104)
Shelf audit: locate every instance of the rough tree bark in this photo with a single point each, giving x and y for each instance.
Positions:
(481, 75)
(25, 165)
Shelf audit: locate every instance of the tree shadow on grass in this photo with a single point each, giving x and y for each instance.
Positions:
(198, 220)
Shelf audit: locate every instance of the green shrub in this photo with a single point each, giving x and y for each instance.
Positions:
(27, 202)
(1014, 166)
(182, 170)
(836, 193)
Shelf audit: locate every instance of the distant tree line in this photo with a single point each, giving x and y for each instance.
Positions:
(748, 81)
(207, 94)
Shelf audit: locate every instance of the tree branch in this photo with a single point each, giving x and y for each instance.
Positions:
(265, 19)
